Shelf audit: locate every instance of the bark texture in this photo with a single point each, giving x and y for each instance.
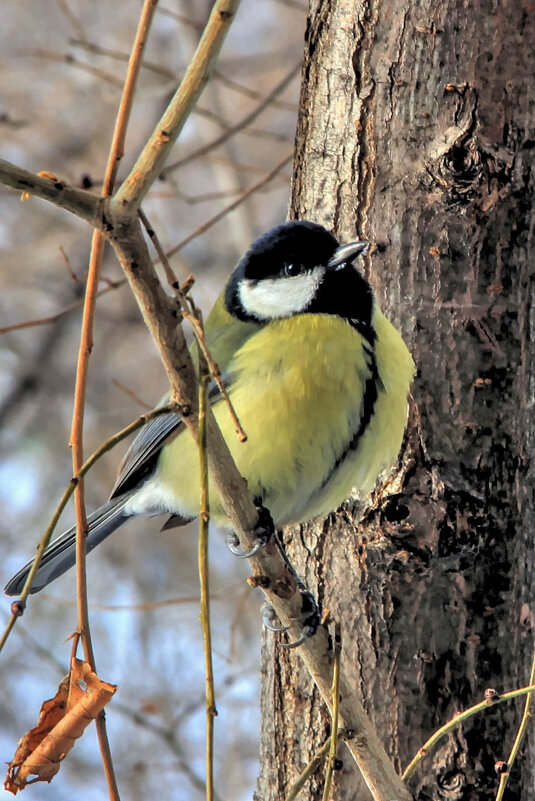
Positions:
(417, 131)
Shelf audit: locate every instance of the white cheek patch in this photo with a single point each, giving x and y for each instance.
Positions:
(279, 297)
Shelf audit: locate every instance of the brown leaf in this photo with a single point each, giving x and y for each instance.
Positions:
(62, 720)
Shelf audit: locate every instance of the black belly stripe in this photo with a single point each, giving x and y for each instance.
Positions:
(368, 405)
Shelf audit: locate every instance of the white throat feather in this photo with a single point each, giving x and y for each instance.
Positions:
(282, 296)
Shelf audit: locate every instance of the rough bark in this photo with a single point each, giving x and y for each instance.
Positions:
(416, 130)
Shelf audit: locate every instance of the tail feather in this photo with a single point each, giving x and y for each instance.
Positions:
(61, 553)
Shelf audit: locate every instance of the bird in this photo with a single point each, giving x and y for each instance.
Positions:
(319, 379)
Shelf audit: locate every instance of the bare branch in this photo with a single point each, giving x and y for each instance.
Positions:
(169, 75)
(51, 318)
(254, 94)
(77, 201)
(165, 72)
(67, 58)
(267, 101)
(204, 517)
(154, 154)
(71, 18)
(86, 345)
(235, 203)
(182, 18)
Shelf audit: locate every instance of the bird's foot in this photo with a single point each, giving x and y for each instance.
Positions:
(309, 618)
(262, 533)
(269, 616)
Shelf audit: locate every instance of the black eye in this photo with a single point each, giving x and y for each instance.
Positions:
(292, 269)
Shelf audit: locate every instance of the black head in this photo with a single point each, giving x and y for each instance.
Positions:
(298, 268)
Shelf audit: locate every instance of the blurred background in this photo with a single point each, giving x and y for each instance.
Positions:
(62, 63)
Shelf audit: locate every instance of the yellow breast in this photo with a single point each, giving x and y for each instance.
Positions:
(298, 386)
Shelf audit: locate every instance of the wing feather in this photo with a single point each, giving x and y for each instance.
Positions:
(142, 456)
(225, 335)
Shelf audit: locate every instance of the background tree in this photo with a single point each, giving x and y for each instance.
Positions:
(416, 131)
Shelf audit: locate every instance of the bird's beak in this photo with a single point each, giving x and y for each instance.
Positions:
(345, 254)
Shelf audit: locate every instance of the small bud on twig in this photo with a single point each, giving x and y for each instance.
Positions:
(17, 608)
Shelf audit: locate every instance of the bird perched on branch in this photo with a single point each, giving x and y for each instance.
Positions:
(319, 379)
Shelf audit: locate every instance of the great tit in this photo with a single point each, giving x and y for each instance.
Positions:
(319, 379)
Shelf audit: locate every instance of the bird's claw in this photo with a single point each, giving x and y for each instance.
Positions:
(262, 534)
(310, 617)
(268, 616)
(233, 544)
(306, 632)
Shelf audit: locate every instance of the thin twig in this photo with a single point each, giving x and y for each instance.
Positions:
(131, 394)
(244, 123)
(68, 265)
(195, 319)
(317, 760)
(172, 280)
(293, 4)
(235, 203)
(456, 721)
(335, 691)
(204, 518)
(504, 778)
(193, 200)
(86, 345)
(72, 19)
(87, 465)
(148, 606)
(153, 156)
(78, 201)
(182, 18)
(225, 193)
(170, 75)
(198, 328)
(236, 165)
(53, 317)
(117, 55)
(254, 94)
(72, 61)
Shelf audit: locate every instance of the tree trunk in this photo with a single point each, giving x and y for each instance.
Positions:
(416, 131)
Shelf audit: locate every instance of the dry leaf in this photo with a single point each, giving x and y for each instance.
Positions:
(62, 720)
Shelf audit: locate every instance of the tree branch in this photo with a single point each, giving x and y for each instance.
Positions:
(77, 201)
(86, 345)
(240, 126)
(154, 154)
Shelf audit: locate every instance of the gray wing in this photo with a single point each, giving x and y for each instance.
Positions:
(60, 555)
(142, 456)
